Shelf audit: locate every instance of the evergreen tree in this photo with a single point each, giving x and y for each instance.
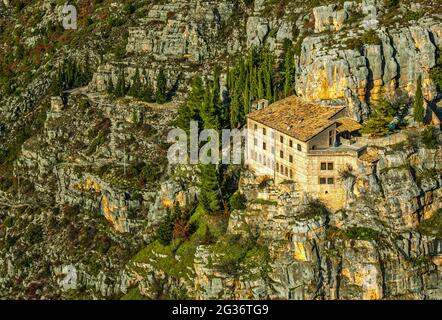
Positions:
(253, 82)
(191, 108)
(235, 112)
(120, 88)
(212, 111)
(209, 188)
(268, 76)
(419, 110)
(165, 229)
(217, 104)
(110, 86)
(260, 84)
(246, 98)
(135, 89)
(208, 111)
(161, 92)
(288, 71)
(147, 93)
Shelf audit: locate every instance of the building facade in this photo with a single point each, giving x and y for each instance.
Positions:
(299, 141)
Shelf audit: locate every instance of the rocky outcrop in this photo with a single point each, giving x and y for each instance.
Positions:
(360, 75)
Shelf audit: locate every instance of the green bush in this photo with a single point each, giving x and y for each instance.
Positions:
(436, 73)
(238, 201)
(429, 138)
(391, 3)
(433, 225)
(370, 37)
(34, 234)
(165, 229)
(314, 209)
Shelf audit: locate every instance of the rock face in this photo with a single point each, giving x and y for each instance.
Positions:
(88, 185)
(82, 196)
(327, 18)
(284, 245)
(331, 63)
(359, 76)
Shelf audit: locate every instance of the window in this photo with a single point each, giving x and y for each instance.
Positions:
(327, 166)
(286, 171)
(330, 181)
(277, 167)
(264, 131)
(281, 154)
(322, 180)
(255, 141)
(330, 137)
(299, 147)
(291, 144)
(255, 127)
(281, 139)
(291, 174)
(290, 158)
(264, 146)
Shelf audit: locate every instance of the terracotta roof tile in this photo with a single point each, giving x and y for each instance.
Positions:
(296, 118)
(347, 124)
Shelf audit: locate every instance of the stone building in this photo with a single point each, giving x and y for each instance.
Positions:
(310, 144)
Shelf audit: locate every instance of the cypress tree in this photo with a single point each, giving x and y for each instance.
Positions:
(288, 71)
(191, 108)
(253, 82)
(260, 84)
(246, 98)
(135, 89)
(110, 86)
(120, 88)
(209, 188)
(217, 104)
(235, 112)
(147, 93)
(208, 112)
(161, 92)
(165, 229)
(268, 78)
(419, 110)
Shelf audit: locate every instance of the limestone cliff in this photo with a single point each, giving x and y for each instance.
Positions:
(85, 185)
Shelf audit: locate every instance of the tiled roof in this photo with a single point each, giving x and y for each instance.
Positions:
(347, 124)
(296, 118)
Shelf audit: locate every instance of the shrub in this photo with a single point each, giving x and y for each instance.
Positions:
(436, 75)
(361, 233)
(370, 37)
(391, 3)
(34, 234)
(433, 225)
(314, 209)
(419, 110)
(238, 201)
(9, 222)
(165, 229)
(429, 138)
